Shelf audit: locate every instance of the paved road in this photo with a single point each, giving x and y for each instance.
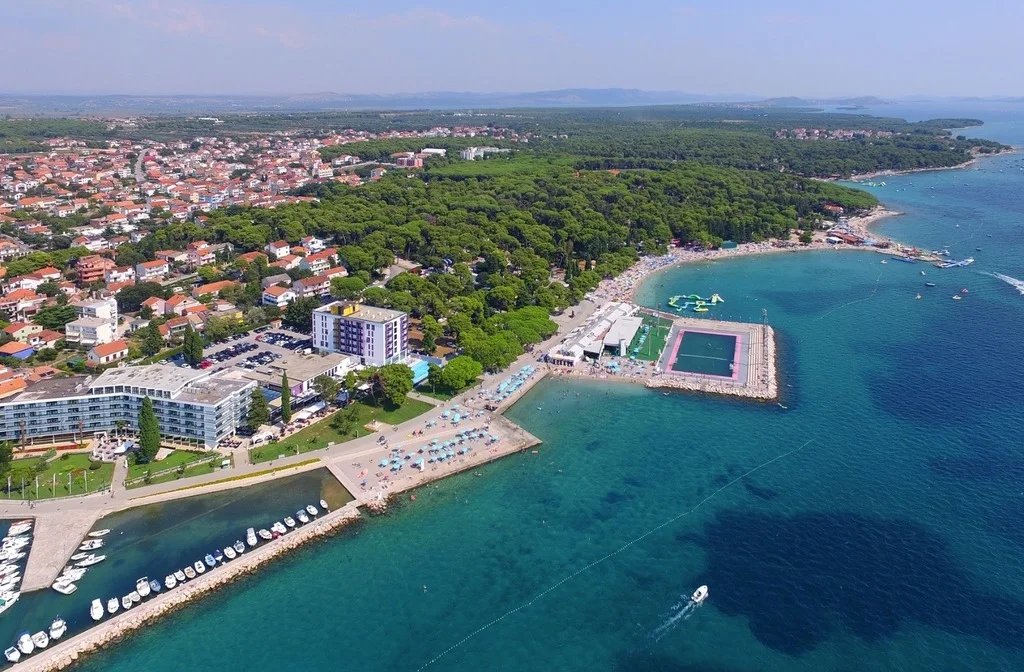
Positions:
(140, 177)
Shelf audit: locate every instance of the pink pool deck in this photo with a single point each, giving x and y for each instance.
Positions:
(735, 356)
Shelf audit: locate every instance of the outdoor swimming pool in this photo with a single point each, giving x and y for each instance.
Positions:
(705, 353)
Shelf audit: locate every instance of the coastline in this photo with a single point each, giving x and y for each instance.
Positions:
(975, 156)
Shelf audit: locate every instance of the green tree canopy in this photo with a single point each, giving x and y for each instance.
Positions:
(149, 432)
(286, 399)
(259, 410)
(461, 371)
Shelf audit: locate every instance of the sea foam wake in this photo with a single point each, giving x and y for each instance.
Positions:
(1013, 282)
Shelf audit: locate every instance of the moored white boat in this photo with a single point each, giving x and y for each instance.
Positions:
(112, 605)
(80, 556)
(99, 533)
(12, 654)
(229, 553)
(265, 535)
(289, 521)
(135, 597)
(199, 567)
(155, 586)
(301, 515)
(64, 587)
(279, 528)
(96, 609)
(73, 573)
(7, 600)
(210, 560)
(170, 581)
(180, 576)
(190, 573)
(323, 505)
(142, 586)
(41, 640)
(91, 544)
(250, 537)
(126, 602)
(311, 510)
(239, 547)
(58, 628)
(25, 644)
(91, 560)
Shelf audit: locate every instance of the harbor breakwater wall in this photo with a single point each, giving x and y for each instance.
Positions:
(66, 653)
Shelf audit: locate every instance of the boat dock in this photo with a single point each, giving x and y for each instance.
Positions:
(55, 536)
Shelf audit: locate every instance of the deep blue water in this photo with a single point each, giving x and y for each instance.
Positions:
(890, 539)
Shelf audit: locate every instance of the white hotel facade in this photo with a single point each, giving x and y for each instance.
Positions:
(194, 407)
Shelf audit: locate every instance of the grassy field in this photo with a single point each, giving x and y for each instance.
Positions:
(74, 464)
(441, 392)
(177, 459)
(650, 351)
(252, 475)
(320, 434)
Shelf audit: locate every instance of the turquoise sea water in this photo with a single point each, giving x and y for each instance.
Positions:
(891, 539)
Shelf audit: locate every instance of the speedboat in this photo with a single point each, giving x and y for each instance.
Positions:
(963, 291)
(126, 602)
(210, 560)
(80, 556)
(64, 587)
(154, 586)
(25, 644)
(90, 544)
(265, 535)
(170, 581)
(58, 628)
(303, 518)
(99, 533)
(311, 510)
(135, 597)
(142, 586)
(199, 566)
(929, 284)
(918, 296)
(180, 576)
(91, 560)
(239, 547)
(12, 654)
(279, 528)
(73, 573)
(96, 609)
(112, 605)
(699, 595)
(7, 600)
(323, 505)
(957, 297)
(20, 527)
(230, 553)
(289, 521)
(218, 556)
(250, 537)
(41, 640)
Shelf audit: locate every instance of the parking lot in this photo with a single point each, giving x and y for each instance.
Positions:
(255, 349)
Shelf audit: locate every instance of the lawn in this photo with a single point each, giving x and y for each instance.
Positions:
(441, 392)
(650, 351)
(320, 434)
(77, 465)
(174, 462)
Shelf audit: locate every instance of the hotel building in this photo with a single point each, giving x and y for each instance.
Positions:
(377, 336)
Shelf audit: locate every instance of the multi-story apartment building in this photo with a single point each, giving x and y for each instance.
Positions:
(193, 407)
(89, 331)
(377, 336)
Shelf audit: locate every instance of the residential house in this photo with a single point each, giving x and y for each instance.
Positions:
(319, 262)
(277, 279)
(278, 296)
(107, 353)
(22, 331)
(313, 286)
(17, 350)
(313, 244)
(92, 268)
(213, 288)
(155, 304)
(20, 303)
(171, 256)
(120, 274)
(152, 271)
(277, 249)
(89, 331)
(179, 304)
(200, 254)
(10, 249)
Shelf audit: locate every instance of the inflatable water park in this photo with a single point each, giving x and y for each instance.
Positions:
(694, 302)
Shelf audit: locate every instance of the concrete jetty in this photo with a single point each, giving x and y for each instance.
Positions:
(66, 652)
(54, 539)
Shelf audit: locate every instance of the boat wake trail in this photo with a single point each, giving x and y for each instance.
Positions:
(680, 612)
(874, 291)
(612, 554)
(1013, 282)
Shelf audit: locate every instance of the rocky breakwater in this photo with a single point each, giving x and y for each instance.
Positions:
(67, 652)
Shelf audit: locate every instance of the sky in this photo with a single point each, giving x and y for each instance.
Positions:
(888, 48)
